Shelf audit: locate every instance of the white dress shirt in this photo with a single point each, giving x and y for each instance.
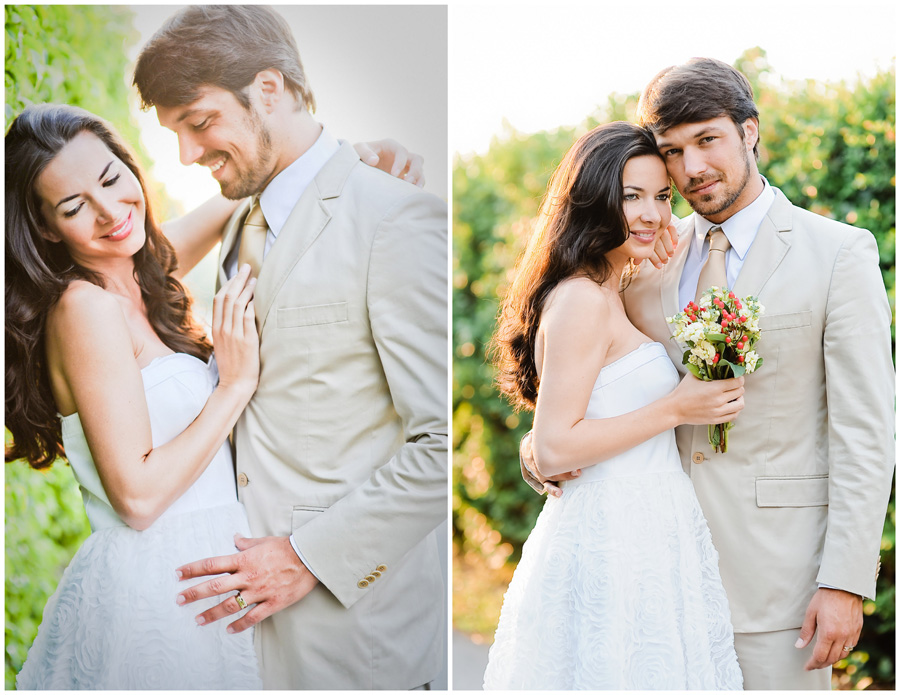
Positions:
(277, 201)
(740, 229)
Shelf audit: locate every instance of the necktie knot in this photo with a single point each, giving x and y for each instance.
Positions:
(255, 216)
(713, 272)
(253, 238)
(717, 240)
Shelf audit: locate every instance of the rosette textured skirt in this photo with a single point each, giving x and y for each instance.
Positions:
(113, 622)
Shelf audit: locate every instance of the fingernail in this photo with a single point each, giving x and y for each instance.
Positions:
(181, 599)
(372, 159)
(576, 473)
(178, 573)
(229, 630)
(799, 642)
(200, 620)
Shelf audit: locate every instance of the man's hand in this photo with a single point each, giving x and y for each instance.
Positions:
(837, 617)
(392, 157)
(267, 572)
(533, 476)
(665, 247)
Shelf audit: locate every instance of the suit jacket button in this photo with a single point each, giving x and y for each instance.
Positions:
(370, 577)
(362, 584)
(381, 568)
(376, 573)
(698, 457)
(243, 480)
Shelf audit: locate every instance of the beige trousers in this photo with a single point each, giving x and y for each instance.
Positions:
(770, 661)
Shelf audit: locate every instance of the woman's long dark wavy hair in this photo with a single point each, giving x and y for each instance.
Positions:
(39, 271)
(581, 219)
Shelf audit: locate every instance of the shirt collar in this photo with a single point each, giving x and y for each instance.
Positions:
(742, 226)
(282, 194)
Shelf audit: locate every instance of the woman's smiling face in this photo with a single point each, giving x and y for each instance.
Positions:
(91, 202)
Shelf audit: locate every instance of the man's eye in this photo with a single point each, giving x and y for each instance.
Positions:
(202, 126)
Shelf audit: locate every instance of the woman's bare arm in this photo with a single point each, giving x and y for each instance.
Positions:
(195, 234)
(576, 331)
(90, 335)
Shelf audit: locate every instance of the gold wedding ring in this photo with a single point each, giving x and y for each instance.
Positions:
(243, 604)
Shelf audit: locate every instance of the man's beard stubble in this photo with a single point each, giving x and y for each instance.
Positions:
(715, 207)
(251, 181)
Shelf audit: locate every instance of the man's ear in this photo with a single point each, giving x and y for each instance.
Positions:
(751, 133)
(269, 86)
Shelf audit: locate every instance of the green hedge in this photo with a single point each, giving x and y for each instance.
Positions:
(75, 55)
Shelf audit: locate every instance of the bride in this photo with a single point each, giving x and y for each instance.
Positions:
(106, 366)
(618, 586)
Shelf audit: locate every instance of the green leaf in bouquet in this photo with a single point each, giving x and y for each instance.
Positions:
(715, 337)
(736, 369)
(694, 369)
(685, 356)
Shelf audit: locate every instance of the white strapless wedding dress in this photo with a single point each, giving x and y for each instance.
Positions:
(113, 622)
(618, 586)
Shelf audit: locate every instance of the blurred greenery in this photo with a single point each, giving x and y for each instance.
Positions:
(71, 54)
(829, 146)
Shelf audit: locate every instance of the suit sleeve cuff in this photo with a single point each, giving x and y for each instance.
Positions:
(821, 586)
(302, 559)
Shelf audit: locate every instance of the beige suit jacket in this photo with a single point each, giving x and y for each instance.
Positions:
(800, 496)
(344, 443)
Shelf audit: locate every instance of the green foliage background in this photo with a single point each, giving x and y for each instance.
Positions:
(829, 147)
(75, 55)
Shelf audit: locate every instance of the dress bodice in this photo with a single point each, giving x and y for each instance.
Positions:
(177, 387)
(640, 377)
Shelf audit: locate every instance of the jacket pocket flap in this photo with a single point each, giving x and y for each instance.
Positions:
(777, 321)
(296, 316)
(805, 491)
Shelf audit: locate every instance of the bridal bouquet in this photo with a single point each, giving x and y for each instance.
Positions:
(720, 332)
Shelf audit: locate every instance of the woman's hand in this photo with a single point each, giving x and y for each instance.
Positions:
(700, 402)
(665, 246)
(392, 157)
(235, 338)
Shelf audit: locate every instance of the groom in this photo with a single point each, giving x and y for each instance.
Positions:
(341, 454)
(797, 504)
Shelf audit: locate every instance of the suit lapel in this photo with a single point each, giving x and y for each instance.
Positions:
(228, 239)
(770, 246)
(671, 272)
(306, 222)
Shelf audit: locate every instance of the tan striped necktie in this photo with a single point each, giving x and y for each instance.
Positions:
(253, 238)
(713, 271)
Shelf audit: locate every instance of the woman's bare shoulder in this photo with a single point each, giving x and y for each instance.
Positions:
(84, 301)
(84, 309)
(579, 297)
